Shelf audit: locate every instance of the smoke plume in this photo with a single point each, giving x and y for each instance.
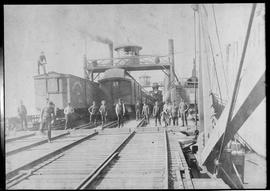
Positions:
(96, 38)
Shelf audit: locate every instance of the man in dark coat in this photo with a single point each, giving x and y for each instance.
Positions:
(120, 112)
(93, 110)
(156, 113)
(22, 112)
(47, 118)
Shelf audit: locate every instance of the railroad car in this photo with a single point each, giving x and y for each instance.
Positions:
(117, 83)
(64, 88)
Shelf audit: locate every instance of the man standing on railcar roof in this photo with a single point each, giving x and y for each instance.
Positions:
(41, 63)
(68, 114)
(22, 112)
(47, 118)
(103, 112)
(93, 110)
(120, 112)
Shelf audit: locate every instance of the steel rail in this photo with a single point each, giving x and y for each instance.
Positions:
(20, 149)
(18, 138)
(166, 181)
(19, 171)
(93, 175)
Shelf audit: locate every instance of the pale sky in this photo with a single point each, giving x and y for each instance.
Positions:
(57, 30)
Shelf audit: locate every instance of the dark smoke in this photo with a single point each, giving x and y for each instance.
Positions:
(95, 37)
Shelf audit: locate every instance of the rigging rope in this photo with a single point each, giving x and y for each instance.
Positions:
(215, 66)
(207, 58)
(221, 54)
(236, 86)
(213, 57)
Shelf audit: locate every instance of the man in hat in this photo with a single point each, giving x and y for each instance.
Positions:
(22, 112)
(175, 114)
(93, 110)
(138, 110)
(145, 112)
(156, 113)
(182, 112)
(47, 118)
(42, 62)
(103, 112)
(68, 114)
(120, 112)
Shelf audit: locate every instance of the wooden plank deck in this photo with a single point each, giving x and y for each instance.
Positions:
(141, 164)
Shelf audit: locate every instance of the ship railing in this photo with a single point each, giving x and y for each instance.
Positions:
(142, 59)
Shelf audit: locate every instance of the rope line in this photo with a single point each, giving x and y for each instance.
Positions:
(221, 54)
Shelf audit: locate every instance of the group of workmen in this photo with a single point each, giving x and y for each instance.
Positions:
(167, 112)
(95, 111)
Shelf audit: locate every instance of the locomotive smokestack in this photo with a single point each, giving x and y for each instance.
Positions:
(111, 52)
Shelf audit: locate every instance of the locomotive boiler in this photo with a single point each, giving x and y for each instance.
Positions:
(117, 83)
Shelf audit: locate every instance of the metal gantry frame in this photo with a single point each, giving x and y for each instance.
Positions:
(146, 62)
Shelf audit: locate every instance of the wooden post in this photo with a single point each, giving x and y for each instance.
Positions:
(68, 90)
(171, 81)
(85, 67)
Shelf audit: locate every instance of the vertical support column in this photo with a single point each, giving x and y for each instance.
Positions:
(171, 81)
(68, 90)
(92, 76)
(201, 138)
(85, 67)
(111, 53)
(46, 79)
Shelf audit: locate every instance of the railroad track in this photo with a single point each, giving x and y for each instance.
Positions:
(29, 141)
(65, 169)
(141, 161)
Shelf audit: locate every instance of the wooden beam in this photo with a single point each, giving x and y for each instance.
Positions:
(226, 116)
(254, 98)
(135, 67)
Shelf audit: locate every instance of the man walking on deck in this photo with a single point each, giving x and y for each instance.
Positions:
(156, 113)
(175, 114)
(145, 112)
(93, 110)
(103, 112)
(138, 110)
(42, 63)
(22, 112)
(68, 114)
(120, 112)
(182, 112)
(47, 118)
(166, 113)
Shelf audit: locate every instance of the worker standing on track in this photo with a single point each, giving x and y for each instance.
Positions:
(47, 118)
(120, 112)
(156, 113)
(145, 112)
(42, 63)
(166, 113)
(93, 110)
(182, 112)
(138, 110)
(68, 114)
(22, 112)
(175, 114)
(103, 112)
